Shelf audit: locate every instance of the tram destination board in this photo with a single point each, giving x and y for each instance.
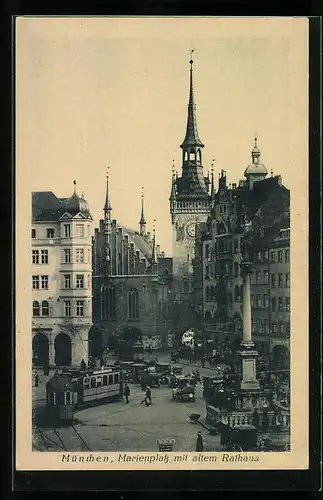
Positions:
(165, 444)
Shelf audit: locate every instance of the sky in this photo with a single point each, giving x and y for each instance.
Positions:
(98, 92)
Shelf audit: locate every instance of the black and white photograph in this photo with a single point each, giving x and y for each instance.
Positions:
(162, 169)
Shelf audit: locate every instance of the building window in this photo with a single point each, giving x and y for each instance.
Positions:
(280, 280)
(273, 281)
(236, 246)
(45, 308)
(287, 304)
(258, 277)
(266, 256)
(80, 230)
(273, 304)
(261, 326)
(80, 281)
(254, 326)
(35, 255)
(266, 325)
(36, 308)
(207, 251)
(67, 230)
(33, 233)
(287, 255)
(44, 282)
(266, 277)
(273, 257)
(237, 294)
(80, 255)
(67, 307)
(252, 299)
(259, 256)
(67, 255)
(280, 256)
(287, 280)
(288, 327)
(274, 327)
(236, 269)
(80, 308)
(50, 232)
(110, 302)
(280, 304)
(266, 301)
(281, 328)
(35, 282)
(133, 304)
(259, 300)
(67, 281)
(44, 256)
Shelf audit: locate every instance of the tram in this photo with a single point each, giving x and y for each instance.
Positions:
(71, 390)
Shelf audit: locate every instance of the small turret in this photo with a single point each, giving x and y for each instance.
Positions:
(107, 206)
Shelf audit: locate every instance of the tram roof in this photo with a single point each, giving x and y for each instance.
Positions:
(60, 383)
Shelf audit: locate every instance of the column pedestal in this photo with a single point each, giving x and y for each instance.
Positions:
(249, 380)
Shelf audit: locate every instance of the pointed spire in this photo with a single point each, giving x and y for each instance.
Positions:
(174, 176)
(255, 153)
(142, 222)
(192, 136)
(212, 177)
(107, 206)
(74, 182)
(154, 259)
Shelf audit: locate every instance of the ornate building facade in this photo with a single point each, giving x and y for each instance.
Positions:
(132, 296)
(261, 204)
(61, 241)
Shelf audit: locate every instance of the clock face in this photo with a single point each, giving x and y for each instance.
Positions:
(190, 229)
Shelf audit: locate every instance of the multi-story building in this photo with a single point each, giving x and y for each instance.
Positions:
(132, 296)
(279, 317)
(259, 204)
(61, 240)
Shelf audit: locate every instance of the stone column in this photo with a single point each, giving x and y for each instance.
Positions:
(247, 340)
(248, 353)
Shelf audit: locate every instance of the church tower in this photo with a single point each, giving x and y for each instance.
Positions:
(190, 200)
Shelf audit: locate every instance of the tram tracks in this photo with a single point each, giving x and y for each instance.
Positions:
(52, 440)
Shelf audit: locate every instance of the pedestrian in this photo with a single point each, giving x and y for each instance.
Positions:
(199, 442)
(83, 365)
(126, 392)
(147, 398)
(36, 379)
(255, 418)
(203, 362)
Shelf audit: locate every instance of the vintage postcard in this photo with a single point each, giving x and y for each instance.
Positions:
(162, 243)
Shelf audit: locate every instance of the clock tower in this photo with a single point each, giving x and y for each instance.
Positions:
(190, 201)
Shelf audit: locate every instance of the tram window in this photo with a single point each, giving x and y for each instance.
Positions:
(68, 398)
(99, 382)
(116, 378)
(105, 380)
(86, 383)
(93, 382)
(60, 400)
(110, 379)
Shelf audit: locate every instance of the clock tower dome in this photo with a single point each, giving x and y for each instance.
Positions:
(190, 200)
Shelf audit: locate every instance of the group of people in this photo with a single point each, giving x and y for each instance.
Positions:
(147, 399)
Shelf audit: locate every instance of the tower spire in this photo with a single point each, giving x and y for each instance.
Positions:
(142, 222)
(154, 259)
(192, 136)
(107, 206)
(255, 153)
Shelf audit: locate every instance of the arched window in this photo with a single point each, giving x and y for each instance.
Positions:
(45, 308)
(199, 155)
(236, 269)
(110, 302)
(207, 294)
(236, 294)
(102, 302)
(212, 293)
(192, 155)
(36, 308)
(133, 304)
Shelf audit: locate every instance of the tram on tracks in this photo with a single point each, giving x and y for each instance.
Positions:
(72, 390)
